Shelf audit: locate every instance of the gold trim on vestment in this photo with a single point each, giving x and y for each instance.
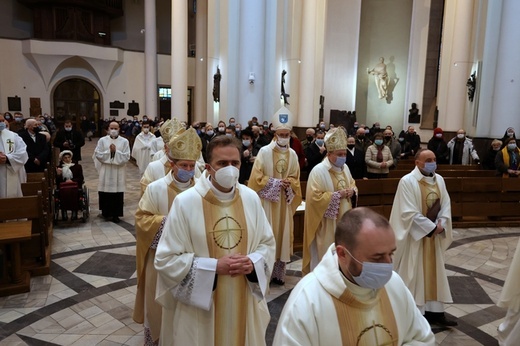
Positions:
(429, 194)
(370, 323)
(226, 234)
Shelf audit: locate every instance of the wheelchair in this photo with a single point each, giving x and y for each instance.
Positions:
(70, 196)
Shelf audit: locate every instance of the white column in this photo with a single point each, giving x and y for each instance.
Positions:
(179, 58)
(292, 24)
(202, 97)
(251, 60)
(150, 59)
(456, 65)
(311, 67)
(506, 101)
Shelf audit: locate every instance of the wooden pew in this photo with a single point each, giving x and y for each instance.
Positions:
(42, 246)
(21, 220)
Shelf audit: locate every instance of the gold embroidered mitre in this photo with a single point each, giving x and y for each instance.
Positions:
(169, 128)
(336, 139)
(282, 119)
(185, 145)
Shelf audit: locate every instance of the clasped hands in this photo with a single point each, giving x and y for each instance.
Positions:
(286, 183)
(112, 148)
(346, 193)
(3, 157)
(234, 265)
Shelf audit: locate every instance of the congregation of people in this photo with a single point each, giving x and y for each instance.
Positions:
(215, 227)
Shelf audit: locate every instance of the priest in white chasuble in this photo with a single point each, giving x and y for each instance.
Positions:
(331, 191)
(142, 150)
(214, 258)
(421, 219)
(276, 178)
(13, 156)
(353, 297)
(110, 157)
(150, 217)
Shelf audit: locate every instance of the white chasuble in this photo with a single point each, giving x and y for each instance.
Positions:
(319, 229)
(274, 163)
(326, 309)
(411, 226)
(198, 231)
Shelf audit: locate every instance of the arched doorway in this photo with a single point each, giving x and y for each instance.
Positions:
(74, 98)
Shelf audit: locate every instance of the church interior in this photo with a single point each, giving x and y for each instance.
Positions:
(114, 59)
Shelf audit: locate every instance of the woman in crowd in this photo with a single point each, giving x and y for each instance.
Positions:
(378, 158)
(508, 160)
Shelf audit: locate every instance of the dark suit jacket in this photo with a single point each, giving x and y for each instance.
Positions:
(356, 164)
(73, 136)
(313, 156)
(36, 150)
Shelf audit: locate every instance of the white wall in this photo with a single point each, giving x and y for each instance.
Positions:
(385, 32)
(37, 73)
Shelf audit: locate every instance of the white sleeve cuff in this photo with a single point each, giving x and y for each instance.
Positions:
(259, 289)
(197, 286)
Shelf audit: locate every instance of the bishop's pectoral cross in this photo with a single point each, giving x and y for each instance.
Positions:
(10, 145)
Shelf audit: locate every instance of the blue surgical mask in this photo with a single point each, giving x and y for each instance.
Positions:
(430, 167)
(320, 142)
(378, 141)
(185, 175)
(373, 275)
(340, 161)
(511, 146)
(2, 126)
(246, 142)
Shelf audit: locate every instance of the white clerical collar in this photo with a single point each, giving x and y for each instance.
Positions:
(361, 293)
(336, 169)
(351, 150)
(221, 196)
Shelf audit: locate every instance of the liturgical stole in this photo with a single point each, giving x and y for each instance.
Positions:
(429, 194)
(226, 234)
(369, 323)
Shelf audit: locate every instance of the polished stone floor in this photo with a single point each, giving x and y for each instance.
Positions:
(89, 296)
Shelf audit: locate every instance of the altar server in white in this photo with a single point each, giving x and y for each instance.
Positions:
(110, 157)
(142, 150)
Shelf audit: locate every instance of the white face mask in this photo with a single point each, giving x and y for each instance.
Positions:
(114, 133)
(146, 130)
(68, 129)
(283, 141)
(227, 177)
(373, 275)
(460, 135)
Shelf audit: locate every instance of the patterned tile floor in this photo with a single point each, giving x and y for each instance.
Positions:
(85, 302)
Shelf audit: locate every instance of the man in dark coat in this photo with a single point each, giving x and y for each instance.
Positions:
(71, 139)
(37, 147)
